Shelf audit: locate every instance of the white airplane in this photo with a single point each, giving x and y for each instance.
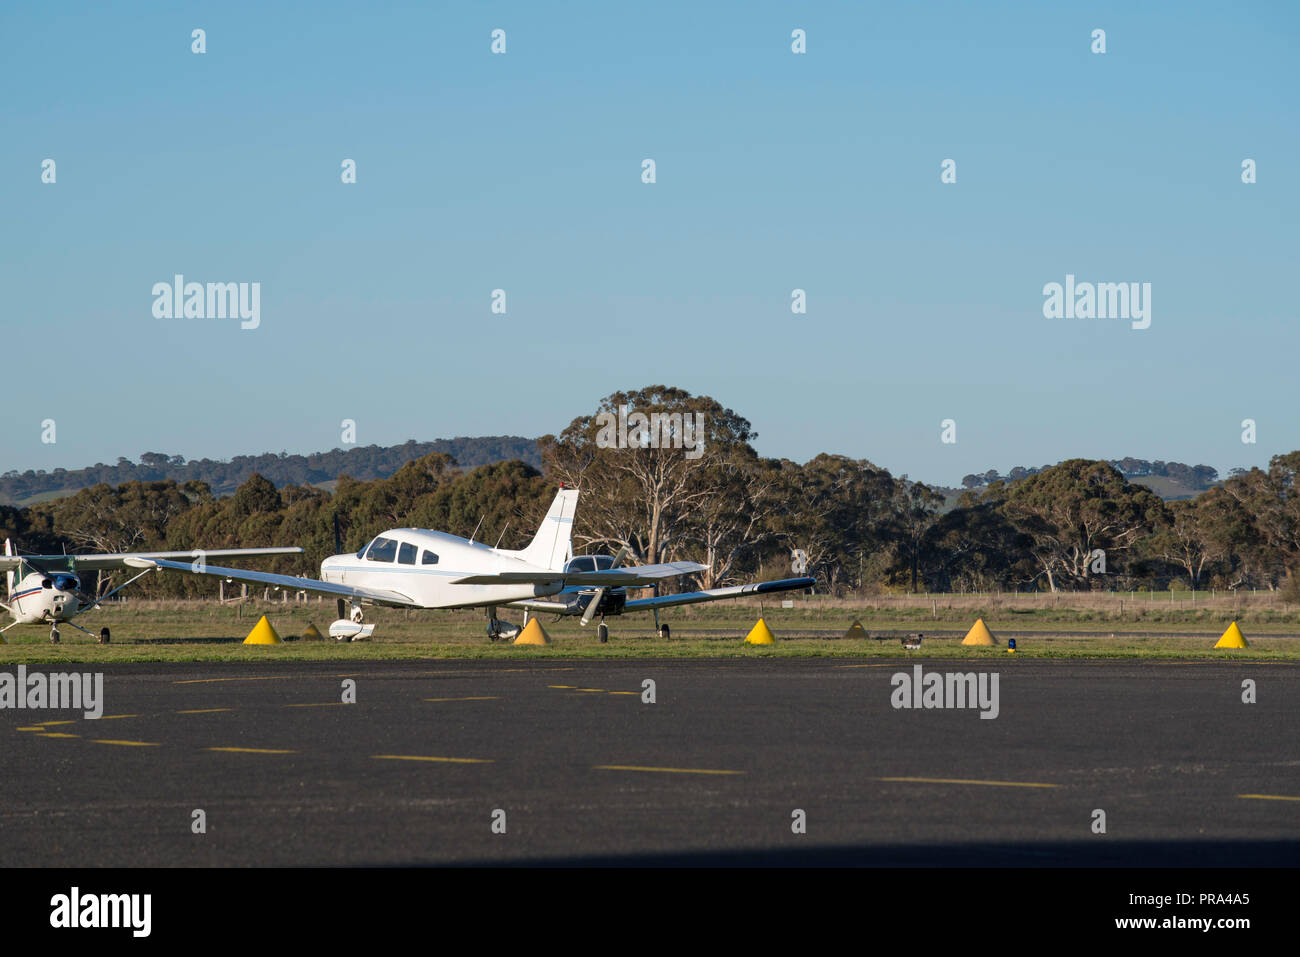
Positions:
(46, 590)
(417, 568)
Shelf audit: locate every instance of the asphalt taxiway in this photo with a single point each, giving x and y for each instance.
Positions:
(563, 762)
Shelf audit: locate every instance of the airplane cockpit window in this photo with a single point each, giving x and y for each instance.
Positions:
(406, 555)
(428, 558)
(382, 550)
(583, 563)
(604, 562)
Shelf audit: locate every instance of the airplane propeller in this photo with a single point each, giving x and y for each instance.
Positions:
(84, 599)
(592, 605)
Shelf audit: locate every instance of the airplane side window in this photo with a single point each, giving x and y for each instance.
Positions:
(406, 555)
(429, 558)
(382, 550)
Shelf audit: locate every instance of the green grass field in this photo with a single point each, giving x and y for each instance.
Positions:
(146, 631)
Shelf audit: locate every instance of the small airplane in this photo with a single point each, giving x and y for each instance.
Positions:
(418, 568)
(46, 589)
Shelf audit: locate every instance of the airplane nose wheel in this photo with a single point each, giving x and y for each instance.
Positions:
(54, 635)
(602, 632)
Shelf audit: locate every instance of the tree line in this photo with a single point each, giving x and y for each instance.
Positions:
(361, 462)
(1077, 525)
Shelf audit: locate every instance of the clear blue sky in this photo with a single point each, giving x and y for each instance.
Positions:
(775, 171)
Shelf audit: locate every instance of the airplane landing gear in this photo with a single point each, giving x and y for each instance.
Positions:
(54, 634)
(665, 631)
(104, 636)
(602, 632)
(499, 630)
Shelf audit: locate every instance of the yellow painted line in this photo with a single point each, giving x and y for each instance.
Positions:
(127, 744)
(204, 711)
(484, 698)
(996, 784)
(254, 750)
(323, 704)
(425, 757)
(50, 724)
(203, 681)
(565, 687)
(57, 734)
(625, 692)
(589, 689)
(110, 717)
(634, 767)
(34, 727)
(1269, 797)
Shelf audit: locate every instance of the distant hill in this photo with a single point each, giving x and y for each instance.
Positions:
(1166, 479)
(362, 462)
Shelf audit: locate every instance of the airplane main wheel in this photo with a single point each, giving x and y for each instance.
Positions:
(602, 632)
(105, 636)
(665, 631)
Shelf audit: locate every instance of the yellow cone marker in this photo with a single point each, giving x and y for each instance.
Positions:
(311, 633)
(263, 634)
(856, 630)
(1232, 638)
(979, 634)
(533, 634)
(760, 634)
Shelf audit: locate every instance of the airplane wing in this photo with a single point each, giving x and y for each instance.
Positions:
(122, 559)
(715, 594)
(379, 595)
(622, 577)
(544, 607)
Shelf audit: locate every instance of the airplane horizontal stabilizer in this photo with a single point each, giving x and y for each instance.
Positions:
(716, 594)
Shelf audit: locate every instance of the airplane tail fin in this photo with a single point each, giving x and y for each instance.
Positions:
(552, 545)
